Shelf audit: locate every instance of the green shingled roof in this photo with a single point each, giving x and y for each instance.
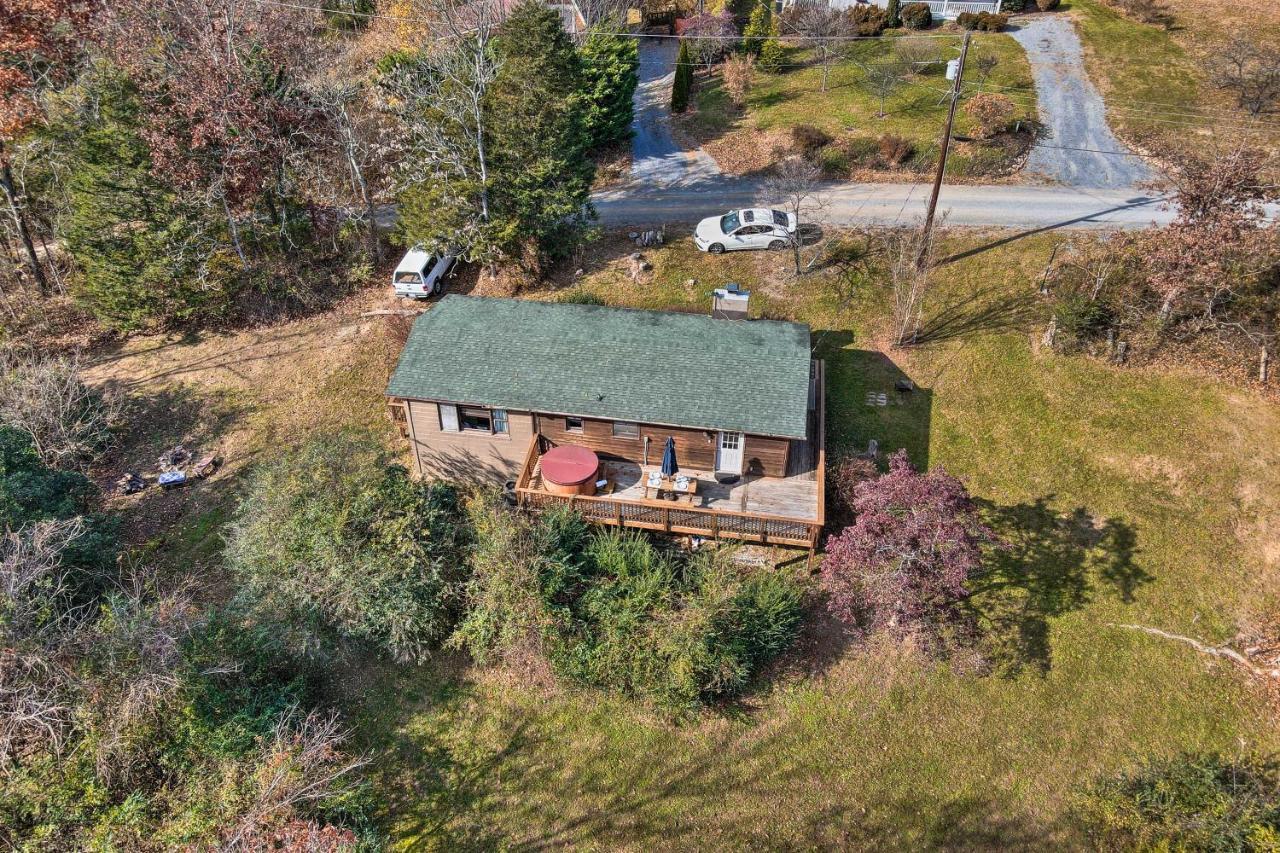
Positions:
(622, 364)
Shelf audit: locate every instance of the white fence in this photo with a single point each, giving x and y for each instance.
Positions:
(940, 8)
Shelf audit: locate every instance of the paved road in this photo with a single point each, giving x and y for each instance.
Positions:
(656, 159)
(1073, 113)
(1022, 207)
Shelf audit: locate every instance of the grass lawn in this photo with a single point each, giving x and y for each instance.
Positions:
(742, 140)
(1127, 496)
(1157, 83)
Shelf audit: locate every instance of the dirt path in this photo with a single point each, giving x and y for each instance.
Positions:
(656, 157)
(1078, 148)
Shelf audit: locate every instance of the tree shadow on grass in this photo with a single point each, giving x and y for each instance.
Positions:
(523, 780)
(1053, 563)
(992, 309)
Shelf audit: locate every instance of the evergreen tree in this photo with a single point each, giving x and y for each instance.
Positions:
(541, 173)
(758, 28)
(132, 239)
(891, 16)
(772, 54)
(683, 81)
(610, 67)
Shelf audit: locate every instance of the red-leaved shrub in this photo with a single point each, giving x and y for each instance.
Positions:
(916, 541)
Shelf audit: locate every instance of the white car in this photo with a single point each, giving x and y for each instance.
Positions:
(754, 228)
(419, 273)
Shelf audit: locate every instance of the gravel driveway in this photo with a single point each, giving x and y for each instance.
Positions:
(656, 157)
(1073, 113)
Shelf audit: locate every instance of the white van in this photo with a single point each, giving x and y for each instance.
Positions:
(419, 273)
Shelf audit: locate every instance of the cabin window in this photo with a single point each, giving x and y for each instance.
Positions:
(573, 424)
(448, 417)
(500, 421)
(622, 429)
(476, 420)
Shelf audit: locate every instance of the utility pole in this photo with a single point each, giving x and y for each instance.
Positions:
(927, 236)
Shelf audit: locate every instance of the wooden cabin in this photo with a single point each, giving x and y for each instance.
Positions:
(485, 387)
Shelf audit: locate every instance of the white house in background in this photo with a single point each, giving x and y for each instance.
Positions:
(947, 9)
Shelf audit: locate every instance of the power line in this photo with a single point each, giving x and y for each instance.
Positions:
(1147, 115)
(1118, 103)
(419, 19)
(1150, 115)
(1091, 150)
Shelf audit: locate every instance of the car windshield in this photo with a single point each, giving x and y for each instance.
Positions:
(729, 223)
(779, 218)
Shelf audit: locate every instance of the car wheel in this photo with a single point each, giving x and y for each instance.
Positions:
(716, 248)
(778, 245)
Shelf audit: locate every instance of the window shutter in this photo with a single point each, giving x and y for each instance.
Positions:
(448, 417)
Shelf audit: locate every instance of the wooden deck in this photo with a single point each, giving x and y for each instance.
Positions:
(774, 510)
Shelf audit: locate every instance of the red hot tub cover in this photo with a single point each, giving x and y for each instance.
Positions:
(568, 465)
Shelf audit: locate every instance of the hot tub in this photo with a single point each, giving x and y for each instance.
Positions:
(570, 470)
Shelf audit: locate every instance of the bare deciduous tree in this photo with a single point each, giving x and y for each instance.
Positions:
(47, 398)
(910, 260)
(302, 763)
(1251, 72)
(819, 25)
(709, 36)
(917, 55)
(739, 70)
(37, 621)
(797, 187)
(439, 101)
(882, 79)
(353, 134)
(986, 63)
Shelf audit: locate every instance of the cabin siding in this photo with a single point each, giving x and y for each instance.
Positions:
(466, 455)
(695, 448)
(480, 457)
(764, 455)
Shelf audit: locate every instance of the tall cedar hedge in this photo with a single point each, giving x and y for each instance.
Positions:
(684, 80)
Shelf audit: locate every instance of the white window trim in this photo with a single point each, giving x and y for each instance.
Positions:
(448, 417)
(633, 424)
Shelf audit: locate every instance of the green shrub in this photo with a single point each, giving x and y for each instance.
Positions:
(683, 83)
(679, 630)
(1010, 6)
(867, 20)
(610, 71)
(1190, 802)
(916, 16)
(834, 160)
(336, 541)
(982, 21)
(894, 150)
(758, 28)
(861, 151)
(809, 139)
(1080, 317)
(1047, 5)
(772, 54)
(613, 610)
(30, 491)
(348, 14)
(892, 16)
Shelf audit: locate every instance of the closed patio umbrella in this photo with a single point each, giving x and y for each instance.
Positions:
(669, 466)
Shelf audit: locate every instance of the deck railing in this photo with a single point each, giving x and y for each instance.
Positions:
(707, 522)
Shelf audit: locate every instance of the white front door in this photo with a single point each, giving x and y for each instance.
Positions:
(729, 453)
